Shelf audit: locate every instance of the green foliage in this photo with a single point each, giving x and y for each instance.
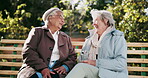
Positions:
(17, 16)
(74, 22)
(77, 17)
(131, 19)
(12, 27)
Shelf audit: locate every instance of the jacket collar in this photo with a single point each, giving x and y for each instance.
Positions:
(61, 39)
(108, 33)
(112, 30)
(61, 36)
(94, 36)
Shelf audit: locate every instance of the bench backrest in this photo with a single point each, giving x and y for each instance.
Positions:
(11, 59)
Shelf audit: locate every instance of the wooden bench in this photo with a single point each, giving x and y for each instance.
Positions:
(11, 59)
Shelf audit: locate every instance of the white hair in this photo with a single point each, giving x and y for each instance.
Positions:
(103, 14)
(50, 12)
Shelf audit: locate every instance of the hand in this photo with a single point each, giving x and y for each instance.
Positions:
(91, 62)
(46, 73)
(60, 70)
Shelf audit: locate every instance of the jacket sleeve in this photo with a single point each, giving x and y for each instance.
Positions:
(85, 50)
(29, 51)
(119, 62)
(71, 60)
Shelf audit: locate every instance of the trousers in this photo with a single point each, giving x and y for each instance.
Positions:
(83, 70)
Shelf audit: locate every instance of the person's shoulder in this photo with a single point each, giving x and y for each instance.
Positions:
(40, 28)
(117, 33)
(34, 28)
(64, 34)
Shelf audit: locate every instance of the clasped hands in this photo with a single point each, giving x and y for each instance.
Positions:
(46, 72)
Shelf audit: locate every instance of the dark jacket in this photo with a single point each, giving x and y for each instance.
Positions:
(38, 48)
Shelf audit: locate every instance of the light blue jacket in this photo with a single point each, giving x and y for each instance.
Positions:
(112, 55)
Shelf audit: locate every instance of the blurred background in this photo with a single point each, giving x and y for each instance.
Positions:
(17, 17)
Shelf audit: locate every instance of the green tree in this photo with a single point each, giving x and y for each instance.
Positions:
(131, 19)
(74, 18)
(12, 27)
(77, 15)
(37, 8)
(77, 20)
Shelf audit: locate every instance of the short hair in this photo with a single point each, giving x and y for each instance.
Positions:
(104, 14)
(49, 12)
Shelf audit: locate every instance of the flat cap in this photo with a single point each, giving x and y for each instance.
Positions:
(49, 12)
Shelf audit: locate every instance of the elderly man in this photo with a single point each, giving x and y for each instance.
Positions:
(48, 52)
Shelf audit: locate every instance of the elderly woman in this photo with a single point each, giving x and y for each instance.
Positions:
(48, 52)
(104, 54)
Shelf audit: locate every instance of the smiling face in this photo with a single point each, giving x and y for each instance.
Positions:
(100, 25)
(56, 21)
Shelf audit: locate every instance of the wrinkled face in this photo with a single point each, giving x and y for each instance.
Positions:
(57, 20)
(100, 25)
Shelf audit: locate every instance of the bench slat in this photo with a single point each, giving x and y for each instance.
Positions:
(130, 52)
(11, 48)
(136, 76)
(137, 60)
(139, 52)
(130, 60)
(133, 52)
(10, 56)
(4, 77)
(11, 41)
(142, 69)
(135, 44)
(78, 39)
(78, 50)
(77, 43)
(131, 44)
(8, 72)
(18, 64)
(15, 64)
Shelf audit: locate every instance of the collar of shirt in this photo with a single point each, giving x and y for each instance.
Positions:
(55, 35)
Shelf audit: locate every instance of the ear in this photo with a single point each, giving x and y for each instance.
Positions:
(106, 21)
(49, 18)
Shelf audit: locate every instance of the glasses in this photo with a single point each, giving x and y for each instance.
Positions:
(60, 16)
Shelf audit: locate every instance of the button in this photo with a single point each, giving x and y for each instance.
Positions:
(48, 59)
(50, 48)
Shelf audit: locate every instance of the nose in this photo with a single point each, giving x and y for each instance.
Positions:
(92, 24)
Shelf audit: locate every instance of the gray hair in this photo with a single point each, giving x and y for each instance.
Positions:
(50, 12)
(103, 15)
